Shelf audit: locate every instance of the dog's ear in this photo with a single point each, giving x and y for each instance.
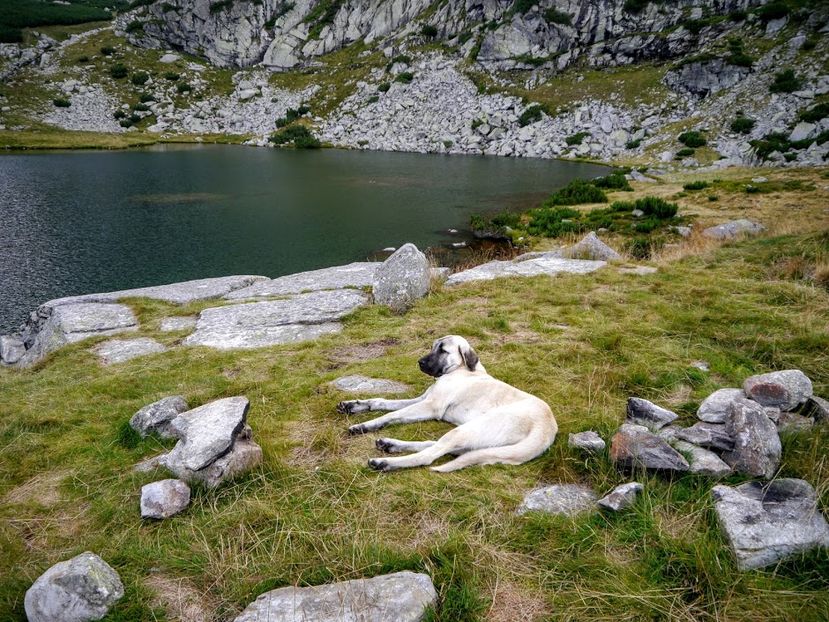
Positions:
(470, 357)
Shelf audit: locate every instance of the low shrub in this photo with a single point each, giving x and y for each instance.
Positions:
(635, 6)
(577, 192)
(118, 71)
(809, 44)
(713, 198)
(773, 10)
(686, 152)
(183, 87)
(743, 125)
(405, 77)
(770, 143)
(614, 181)
(785, 82)
(738, 16)
(83, 59)
(403, 59)
(383, 87)
(555, 16)
(139, 78)
(107, 50)
(692, 139)
(554, 221)
(633, 144)
(530, 115)
(220, 5)
(119, 114)
(495, 227)
(815, 113)
(141, 107)
(695, 185)
(146, 97)
(577, 138)
(134, 26)
(373, 99)
(172, 76)
(656, 207)
(299, 135)
(61, 102)
(429, 31)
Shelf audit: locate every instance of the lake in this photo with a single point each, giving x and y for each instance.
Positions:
(93, 221)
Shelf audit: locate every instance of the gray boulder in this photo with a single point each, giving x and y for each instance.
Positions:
(766, 523)
(591, 247)
(567, 499)
(634, 447)
(648, 414)
(12, 349)
(79, 589)
(364, 384)
(785, 389)
(402, 279)
(243, 456)
(354, 275)
(733, 229)
(401, 596)
(817, 408)
(621, 497)
(793, 422)
(164, 499)
(549, 264)
(588, 441)
(711, 435)
(122, 350)
(715, 407)
(155, 418)
(702, 461)
(757, 446)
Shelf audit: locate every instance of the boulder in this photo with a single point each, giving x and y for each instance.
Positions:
(817, 408)
(243, 456)
(544, 264)
(12, 349)
(402, 279)
(155, 418)
(164, 499)
(591, 247)
(767, 523)
(714, 409)
(79, 589)
(702, 461)
(648, 414)
(634, 446)
(364, 384)
(122, 350)
(733, 229)
(621, 497)
(757, 446)
(588, 441)
(711, 435)
(401, 596)
(785, 389)
(567, 499)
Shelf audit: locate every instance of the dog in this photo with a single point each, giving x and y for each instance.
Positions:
(497, 423)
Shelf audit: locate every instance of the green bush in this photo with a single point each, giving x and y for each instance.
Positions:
(770, 143)
(299, 135)
(809, 44)
(107, 50)
(146, 97)
(656, 207)
(18, 14)
(713, 198)
(530, 115)
(554, 221)
(685, 152)
(635, 6)
(495, 227)
(61, 102)
(373, 99)
(404, 77)
(614, 181)
(577, 138)
(83, 59)
(172, 76)
(141, 107)
(785, 82)
(773, 10)
(738, 16)
(577, 192)
(695, 185)
(139, 78)
(429, 31)
(183, 87)
(119, 114)
(555, 16)
(692, 139)
(118, 71)
(815, 113)
(220, 5)
(383, 87)
(742, 125)
(135, 26)
(633, 144)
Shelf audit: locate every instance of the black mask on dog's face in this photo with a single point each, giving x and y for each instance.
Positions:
(447, 354)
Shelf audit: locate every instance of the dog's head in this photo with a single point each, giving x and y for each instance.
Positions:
(448, 354)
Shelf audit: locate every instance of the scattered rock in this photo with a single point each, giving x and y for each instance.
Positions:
(733, 229)
(568, 499)
(364, 384)
(164, 499)
(701, 365)
(402, 279)
(702, 461)
(122, 350)
(715, 408)
(155, 418)
(764, 524)
(169, 58)
(669, 433)
(634, 446)
(621, 497)
(547, 263)
(756, 442)
(648, 414)
(785, 389)
(591, 247)
(402, 596)
(817, 408)
(588, 441)
(792, 422)
(711, 435)
(79, 589)
(171, 324)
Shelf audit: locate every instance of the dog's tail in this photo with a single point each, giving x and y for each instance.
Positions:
(531, 446)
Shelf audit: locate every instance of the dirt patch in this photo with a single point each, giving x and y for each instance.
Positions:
(362, 352)
(42, 489)
(513, 602)
(181, 601)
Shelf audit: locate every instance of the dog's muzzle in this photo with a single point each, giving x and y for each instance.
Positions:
(428, 366)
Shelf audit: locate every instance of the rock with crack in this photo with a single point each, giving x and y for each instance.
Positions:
(354, 275)
(79, 589)
(733, 229)
(757, 446)
(401, 596)
(155, 418)
(785, 389)
(767, 523)
(635, 447)
(402, 279)
(715, 407)
(621, 497)
(648, 414)
(273, 322)
(591, 247)
(164, 499)
(567, 499)
(710, 435)
(364, 384)
(702, 461)
(588, 441)
(547, 263)
(122, 350)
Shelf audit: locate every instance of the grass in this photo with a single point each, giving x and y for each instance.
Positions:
(314, 513)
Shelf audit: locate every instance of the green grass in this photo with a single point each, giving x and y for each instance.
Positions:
(15, 15)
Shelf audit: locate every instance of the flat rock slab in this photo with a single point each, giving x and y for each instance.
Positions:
(402, 597)
(648, 414)
(547, 263)
(164, 499)
(75, 590)
(586, 441)
(766, 523)
(634, 447)
(274, 322)
(733, 229)
(715, 407)
(702, 461)
(171, 324)
(354, 275)
(122, 350)
(567, 499)
(364, 384)
(710, 435)
(155, 418)
(785, 389)
(621, 497)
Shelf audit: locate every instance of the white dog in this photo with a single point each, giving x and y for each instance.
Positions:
(497, 423)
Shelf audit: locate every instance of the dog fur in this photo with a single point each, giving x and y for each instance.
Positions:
(496, 423)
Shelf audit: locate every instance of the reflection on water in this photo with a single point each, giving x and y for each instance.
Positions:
(177, 197)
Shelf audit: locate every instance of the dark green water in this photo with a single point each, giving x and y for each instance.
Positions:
(81, 222)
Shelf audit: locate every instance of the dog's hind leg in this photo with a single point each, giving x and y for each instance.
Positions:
(393, 446)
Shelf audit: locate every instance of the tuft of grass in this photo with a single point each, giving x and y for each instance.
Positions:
(785, 82)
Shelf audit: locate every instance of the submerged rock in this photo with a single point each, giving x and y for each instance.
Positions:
(402, 279)
(568, 499)
(155, 418)
(785, 389)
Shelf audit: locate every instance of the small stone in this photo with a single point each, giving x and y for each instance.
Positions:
(714, 409)
(733, 229)
(164, 499)
(701, 365)
(648, 414)
(567, 499)
(591, 247)
(711, 435)
(77, 590)
(785, 389)
(669, 433)
(764, 524)
(11, 349)
(364, 384)
(156, 417)
(402, 279)
(122, 350)
(757, 446)
(702, 461)
(169, 58)
(588, 441)
(792, 422)
(817, 408)
(634, 446)
(621, 497)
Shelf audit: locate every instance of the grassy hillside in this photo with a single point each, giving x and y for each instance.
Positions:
(314, 513)
(15, 15)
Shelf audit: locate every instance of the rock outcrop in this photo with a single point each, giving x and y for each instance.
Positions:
(402, 279)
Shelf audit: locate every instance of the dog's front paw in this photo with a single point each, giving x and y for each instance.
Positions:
(358, 429)
(351, 407)
(385, 445)
(378, 464)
